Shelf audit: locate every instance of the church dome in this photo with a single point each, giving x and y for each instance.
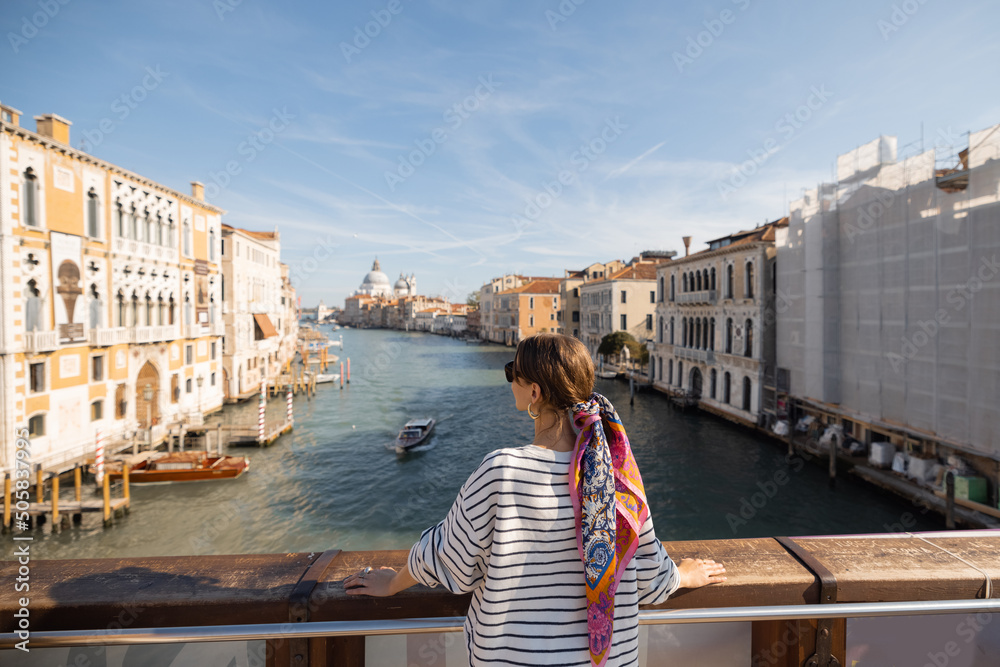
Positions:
(401, 283)
(375, 276)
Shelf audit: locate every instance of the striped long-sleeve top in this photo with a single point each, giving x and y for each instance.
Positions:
(510, 540)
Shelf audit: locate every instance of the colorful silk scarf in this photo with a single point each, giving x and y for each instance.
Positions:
(610, 508)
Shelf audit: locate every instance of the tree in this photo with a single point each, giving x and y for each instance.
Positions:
(472, 300)
(638, 351)
(613, 343)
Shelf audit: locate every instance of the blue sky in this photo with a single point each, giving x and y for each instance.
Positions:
(427, 140)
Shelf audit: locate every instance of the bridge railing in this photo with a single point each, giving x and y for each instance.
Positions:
(787, 602)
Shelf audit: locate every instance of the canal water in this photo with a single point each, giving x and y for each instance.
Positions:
(335, 481)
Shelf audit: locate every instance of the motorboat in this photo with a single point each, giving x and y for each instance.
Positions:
(185, 467)
(607, 375)
(327, 377)
(414, 432)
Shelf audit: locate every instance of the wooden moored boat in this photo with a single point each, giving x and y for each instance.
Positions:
(414, 432)
(185, 467)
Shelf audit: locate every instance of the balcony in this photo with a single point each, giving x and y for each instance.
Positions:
(691, 354)
(702, 298)
(106, 337)
(141, 250)
(41, 341)
(787, 602)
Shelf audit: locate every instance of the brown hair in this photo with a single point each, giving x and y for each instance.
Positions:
(560, 365)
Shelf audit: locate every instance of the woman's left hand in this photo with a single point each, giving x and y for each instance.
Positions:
(696, 572)
(377, 583)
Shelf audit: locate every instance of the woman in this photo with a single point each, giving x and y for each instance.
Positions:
(554, 539)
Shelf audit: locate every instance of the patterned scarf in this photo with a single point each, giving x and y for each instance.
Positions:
(610, 508)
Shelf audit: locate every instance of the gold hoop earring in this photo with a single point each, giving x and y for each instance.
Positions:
(533, 415)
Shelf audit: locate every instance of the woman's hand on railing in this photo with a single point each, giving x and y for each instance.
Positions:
(696, 572)
(380, 583)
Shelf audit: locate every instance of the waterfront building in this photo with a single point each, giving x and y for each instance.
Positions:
(568, 317)
(529, 308)
(322, 312)
(714, 328)
(260, 335)
(489, 319)
(893, 300)
(619, 300)
(110, 299)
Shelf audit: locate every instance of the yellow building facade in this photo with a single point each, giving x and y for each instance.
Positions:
(110, 299)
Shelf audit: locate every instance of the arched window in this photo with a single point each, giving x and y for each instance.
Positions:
(32, 307)
(684, 333)
(660, 295)
(729, 281)
(704, 278)
(122, 318)
(95, 307)
(135, 310)
(150, 235)
(149, 310)
(749, 280)
(93, 228)
(713, 376)
(119, 219)
(704, 333)
(711, 334)
(30, 198)
(684, 283)
(746, 394)
(187, 237)
(171, 236)
(171, 310)
(729, 335)
(748, 338)
(671, 331)
(680, 374)
(661, 369)
(159, 229)
(211, 245)
(160, 311)
(187, 310)
(672, 287)
(698, 281)
(713, 279)
(661, 330)
(697, 333)
(133, 224)
(670, 371)
(725, 388)
(652, 369)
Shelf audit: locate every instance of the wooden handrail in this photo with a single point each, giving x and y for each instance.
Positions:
(260, 588)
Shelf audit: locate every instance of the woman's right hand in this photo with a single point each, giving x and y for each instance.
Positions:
(696, 572)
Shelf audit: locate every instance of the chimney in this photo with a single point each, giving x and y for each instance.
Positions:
(198, 190)
(10, 115)
(687, 244)
(54, 127)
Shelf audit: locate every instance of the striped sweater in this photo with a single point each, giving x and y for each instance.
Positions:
(510, 540)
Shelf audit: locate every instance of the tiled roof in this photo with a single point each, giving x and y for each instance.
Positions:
(537, 286)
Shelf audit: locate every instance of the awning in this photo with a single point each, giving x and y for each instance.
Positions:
(264, 324)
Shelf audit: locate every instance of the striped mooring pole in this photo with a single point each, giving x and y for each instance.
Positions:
(288, 414)
(99, 458)
(260, 410)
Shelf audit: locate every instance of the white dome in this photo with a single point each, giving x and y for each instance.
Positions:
(376, 278)
(402, 284)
